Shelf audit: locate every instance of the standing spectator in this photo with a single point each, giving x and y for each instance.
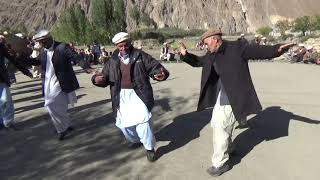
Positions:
(96, 51)
(243, 40)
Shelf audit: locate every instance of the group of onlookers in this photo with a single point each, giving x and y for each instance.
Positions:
(304, 53)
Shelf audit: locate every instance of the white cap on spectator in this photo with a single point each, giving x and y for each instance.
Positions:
(5, 33)
(242, 34)
(20, 35)
(120, 37)
(263, 38)
(42, 34)
(301, 45)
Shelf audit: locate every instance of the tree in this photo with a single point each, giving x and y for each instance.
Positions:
(264, 31)
(73, 26)
(119, 18)
(104, 19)
(135, 14)
(283, 26)
(315, 23)
(108, 17)
(302, 24)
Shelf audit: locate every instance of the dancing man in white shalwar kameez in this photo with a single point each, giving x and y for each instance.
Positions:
(128, 73)
(59, 80)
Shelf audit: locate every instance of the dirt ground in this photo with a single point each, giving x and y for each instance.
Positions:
(283, 144)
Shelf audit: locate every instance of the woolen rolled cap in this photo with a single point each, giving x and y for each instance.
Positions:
(42, 34)
(120, 37)
(209, 33)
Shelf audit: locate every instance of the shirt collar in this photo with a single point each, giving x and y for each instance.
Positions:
(51, 48)
(124, 58)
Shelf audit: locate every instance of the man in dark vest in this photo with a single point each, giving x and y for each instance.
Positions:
(226, 86)
(128, 73)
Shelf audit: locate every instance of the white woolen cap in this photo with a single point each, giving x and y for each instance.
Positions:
(42, 34)
(120, 37)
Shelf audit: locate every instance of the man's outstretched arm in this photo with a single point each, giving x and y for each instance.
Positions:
(189, 58)
(253, 51)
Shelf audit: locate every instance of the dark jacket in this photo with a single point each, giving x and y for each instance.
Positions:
(4, 78)
(230, 63)
(61, 60)
(143, 67)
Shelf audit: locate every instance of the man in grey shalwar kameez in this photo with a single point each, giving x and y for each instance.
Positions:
(128, 73)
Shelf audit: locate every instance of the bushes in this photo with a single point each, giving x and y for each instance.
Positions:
(264, 31)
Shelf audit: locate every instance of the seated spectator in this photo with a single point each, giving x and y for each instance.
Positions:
(256, 39)
(200, 45)
(165, 54)
(83, 61)
(104, 56)
(311, 56)
(264, 41)
(298, 54)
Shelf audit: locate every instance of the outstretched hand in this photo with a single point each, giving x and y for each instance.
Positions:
(91, 71)
(160, 76)
(99, 78)
(183, 49)
(285, 47)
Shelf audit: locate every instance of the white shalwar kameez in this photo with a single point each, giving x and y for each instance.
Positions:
(134, 118)
(222, 122)
(56, 101)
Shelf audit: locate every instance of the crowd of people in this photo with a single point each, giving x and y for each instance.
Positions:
(304, 53)
(128, 72)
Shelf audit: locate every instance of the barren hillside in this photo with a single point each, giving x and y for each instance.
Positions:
(230, 15)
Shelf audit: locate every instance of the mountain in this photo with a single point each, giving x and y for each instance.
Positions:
(230, 15)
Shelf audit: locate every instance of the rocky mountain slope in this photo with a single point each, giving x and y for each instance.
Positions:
(230, 15)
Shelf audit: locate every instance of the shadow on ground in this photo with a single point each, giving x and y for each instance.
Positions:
(182, 130)
(270, 124)
(93, 151)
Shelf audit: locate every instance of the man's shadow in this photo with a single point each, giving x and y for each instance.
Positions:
(270, 124)
(182, 130)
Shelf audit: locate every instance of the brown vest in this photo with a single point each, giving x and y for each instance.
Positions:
(125, 76)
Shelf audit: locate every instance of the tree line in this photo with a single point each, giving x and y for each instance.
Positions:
(107, 18)
(302, 24)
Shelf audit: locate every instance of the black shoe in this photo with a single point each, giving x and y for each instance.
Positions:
(134, 145)
(12, 127)
(64, 133)
(151, 155)
(213, 171)
(70, 128)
